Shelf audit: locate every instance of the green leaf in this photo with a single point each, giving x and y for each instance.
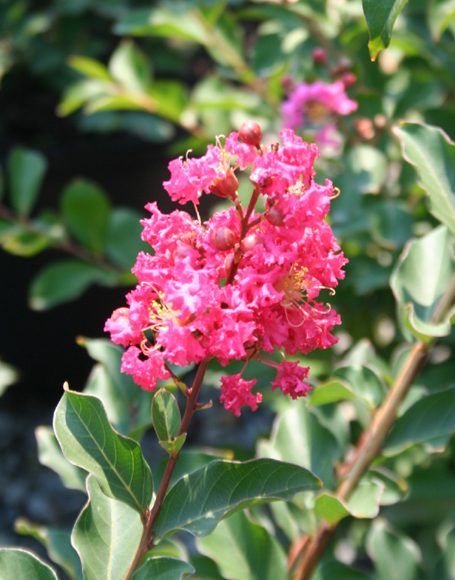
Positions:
(166, 415)
(395, 556)
(432, 154)
(50, 455)
(243, 549)
(16, 563)
(80, 93)
(57, 543)
(197, 502)
(330, 508)
(85, 210)
(364, 383)
(106, 535)
(127, 406)
(419, 280)
(130, 68)
(163, 569)
(380, 17)
(366, 499)
(428, 419)
(124, 237)
(26, 173)
(299, 437)
(441, 14)
(175, 22)
(331, 391)
(19, 240)
(90, 68)
(333, 570)
(8, 376)
(88, 440)
(64, 281)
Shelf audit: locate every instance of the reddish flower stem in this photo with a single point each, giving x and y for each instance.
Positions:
(150, 516)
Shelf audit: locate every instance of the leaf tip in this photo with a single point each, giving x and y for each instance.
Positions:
(66, 387)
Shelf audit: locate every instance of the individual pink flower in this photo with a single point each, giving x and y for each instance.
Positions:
(145, 369)
(290, 378)
(314, 107)
(236, 393)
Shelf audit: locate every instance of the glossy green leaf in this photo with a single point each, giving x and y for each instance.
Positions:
(299, 437)
(419, 280)
(331, 391)
(124, 237)
(395, 556)
(197, 502)
(26, 173)
(85, 210)
(243, 549)
(80, 93)
(16, 563)
(57, 543)
(428, 419)
(329, 508)
(127, 406)
(90, 68)
(381, 17)
(106, 535)
(432, 154)
(130, 67)
(64, 281)
(163, 569)
(166, 415)
(88, 440)
(50, 455)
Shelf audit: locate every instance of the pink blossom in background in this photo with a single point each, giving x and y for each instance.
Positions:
(241, 285)
(315, 106)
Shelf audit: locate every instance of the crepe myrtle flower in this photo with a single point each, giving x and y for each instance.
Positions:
(243, 285)
(314, 108)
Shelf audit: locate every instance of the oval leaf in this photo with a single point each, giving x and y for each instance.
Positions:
(26, 173)
(197, 502)
(243, 549)
(419, 280)
(88, 440)
(380, 17)
(85, 210)
(50, 455)
(163, 569)
(16, 563)
(432, 154)
(129, 67)
(106, 535)
(64, 281)
(166, 415)
(429, 419)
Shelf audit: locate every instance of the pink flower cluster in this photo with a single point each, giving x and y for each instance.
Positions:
(244, 283)
(314, 106)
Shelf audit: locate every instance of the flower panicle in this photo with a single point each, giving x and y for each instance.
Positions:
(244, 283)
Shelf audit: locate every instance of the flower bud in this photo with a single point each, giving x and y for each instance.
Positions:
(250, 133)
(222, 238)
(348, 79)
(225, 186)
(249, 242)
(275, 216)
(319, 55)
(364, 128)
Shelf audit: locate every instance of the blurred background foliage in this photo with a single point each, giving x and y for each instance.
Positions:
(119, 87)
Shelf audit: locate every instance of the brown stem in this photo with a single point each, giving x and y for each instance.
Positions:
(150, 516)
(309, 550)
